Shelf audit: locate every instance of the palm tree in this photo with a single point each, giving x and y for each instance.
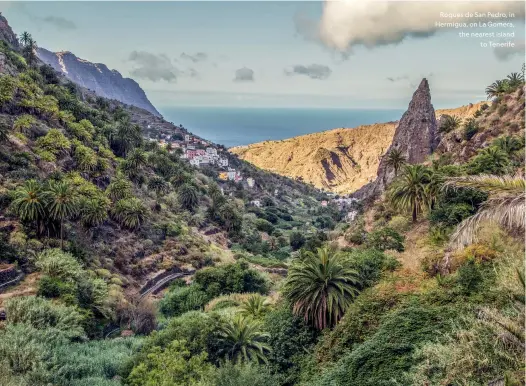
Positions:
(255, 306)
(515, 79)
(136, 158)
(30, 51)
(410, 191)
(129, 212)
(395, 159)
(188, 197)
(94, 211)
(158, 185)
(321, 287)
(62, 203)
(242, 339)
(450, 123)
(494, 157)
(29, 202)
(508, 144)
(127, 135)
(119, 188)
(497, 88)
(505, 205)
(25, 38)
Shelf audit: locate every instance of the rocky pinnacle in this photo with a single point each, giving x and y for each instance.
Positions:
(415, 137)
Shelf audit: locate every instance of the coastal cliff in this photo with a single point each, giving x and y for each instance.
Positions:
(98, 78)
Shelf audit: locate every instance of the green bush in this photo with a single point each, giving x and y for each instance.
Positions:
(290, 339)
(42, 313)
(471, 128)
(387, 355)
(183, 299)
(385, 239)
(241, 374)
(469, 277)
(264, 226)
(231, 278)
(297, 240)
(370, 263)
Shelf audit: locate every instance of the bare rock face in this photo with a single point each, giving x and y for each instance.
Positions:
(7, 34)
(98, 78)
(416, 137)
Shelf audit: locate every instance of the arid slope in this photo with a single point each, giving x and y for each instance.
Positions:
(339, 160)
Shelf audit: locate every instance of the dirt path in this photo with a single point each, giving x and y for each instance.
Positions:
(28, 286)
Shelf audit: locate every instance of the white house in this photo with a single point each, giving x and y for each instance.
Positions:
(223, 162)
(187, 138)
(250, 182)
(211, 151)
(256, 203)
(231, 175)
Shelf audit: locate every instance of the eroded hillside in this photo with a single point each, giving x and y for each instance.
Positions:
(341, 160)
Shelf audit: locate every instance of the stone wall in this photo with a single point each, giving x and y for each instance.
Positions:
(9, 276)
(8, 273)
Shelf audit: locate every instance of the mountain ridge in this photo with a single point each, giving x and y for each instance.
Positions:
(98, 78)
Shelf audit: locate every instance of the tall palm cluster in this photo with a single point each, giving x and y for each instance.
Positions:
(29, 47)
(48, 205)
(503, 86)
(56, 201)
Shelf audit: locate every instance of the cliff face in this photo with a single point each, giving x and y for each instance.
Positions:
(7, 34)
(340, 160)
(344, 160)
(98, 78)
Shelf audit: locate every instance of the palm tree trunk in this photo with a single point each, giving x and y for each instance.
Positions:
(61, 235)
(414, 213)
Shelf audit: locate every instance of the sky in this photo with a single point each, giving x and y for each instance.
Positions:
(350, 54)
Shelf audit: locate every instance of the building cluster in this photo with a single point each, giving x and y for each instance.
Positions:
(208, 156)
(231, 175)
(197, 151)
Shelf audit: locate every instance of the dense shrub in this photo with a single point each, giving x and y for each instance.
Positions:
(388, 354)
(297, 240)
(385, 239)
(231, 278)
(290, 340)
(183, 299)
(370, 263)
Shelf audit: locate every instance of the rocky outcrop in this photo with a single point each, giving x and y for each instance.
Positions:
(98, 78)
(416, 136)
(7, 34)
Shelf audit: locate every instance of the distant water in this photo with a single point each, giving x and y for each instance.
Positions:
(243, 126)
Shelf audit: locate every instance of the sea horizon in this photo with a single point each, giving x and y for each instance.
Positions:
(241, 126)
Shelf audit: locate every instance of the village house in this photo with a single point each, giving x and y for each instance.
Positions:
(211, 151)
(250, 182)
(256, 203)
(324, 203)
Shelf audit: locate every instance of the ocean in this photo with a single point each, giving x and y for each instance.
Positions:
(242, 126)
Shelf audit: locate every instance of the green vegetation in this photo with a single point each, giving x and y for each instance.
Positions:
(282, 294)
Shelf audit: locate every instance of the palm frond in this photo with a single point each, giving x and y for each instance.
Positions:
(488, 183)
